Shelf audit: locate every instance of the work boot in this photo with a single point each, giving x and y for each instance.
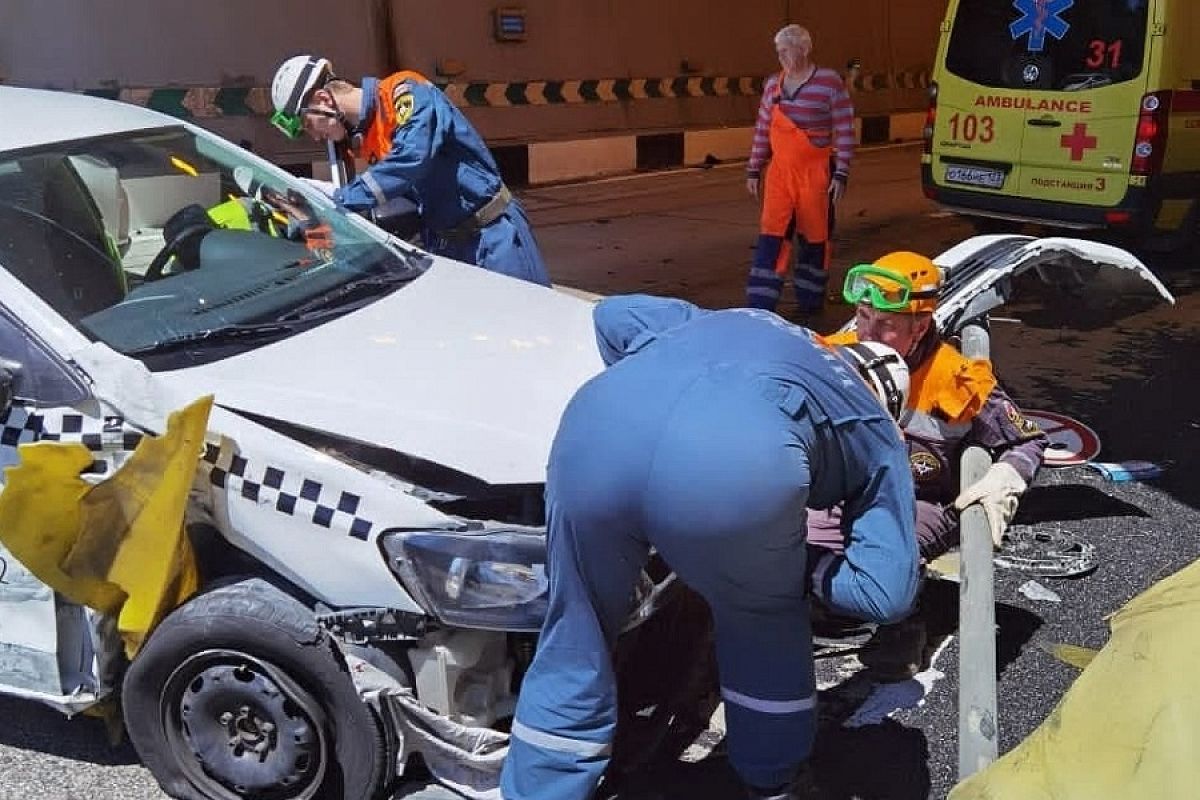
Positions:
(896, 652)
(837, 631)
(804, 787)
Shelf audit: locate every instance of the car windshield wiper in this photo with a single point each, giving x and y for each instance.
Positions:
(347, 292)
(221, 335)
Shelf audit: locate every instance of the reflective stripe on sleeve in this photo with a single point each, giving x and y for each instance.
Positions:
(769, 706)
(928, 426)
(562, 744)
(375, 188)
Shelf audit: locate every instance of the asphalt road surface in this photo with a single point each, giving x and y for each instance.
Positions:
(1123, 365)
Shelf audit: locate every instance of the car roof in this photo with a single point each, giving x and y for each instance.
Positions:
(40, 116)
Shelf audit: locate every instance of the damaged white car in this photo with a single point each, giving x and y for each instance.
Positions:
(367, 512)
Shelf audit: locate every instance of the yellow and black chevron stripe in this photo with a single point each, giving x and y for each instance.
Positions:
(236, 101)
(882, 81)
(607, 90)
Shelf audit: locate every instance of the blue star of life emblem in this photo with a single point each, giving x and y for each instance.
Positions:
(1038, 18)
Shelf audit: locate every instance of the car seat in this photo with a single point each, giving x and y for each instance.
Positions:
(53, 240)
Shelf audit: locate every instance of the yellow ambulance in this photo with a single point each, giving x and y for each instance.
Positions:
(1073, 113)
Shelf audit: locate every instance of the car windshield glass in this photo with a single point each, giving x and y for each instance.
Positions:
(1048, 45)
(155, 238)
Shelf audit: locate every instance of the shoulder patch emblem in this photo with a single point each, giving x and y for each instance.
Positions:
(1026, 426)
(925, 466)
(403, 106)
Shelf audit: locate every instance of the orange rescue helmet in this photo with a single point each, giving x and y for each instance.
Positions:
(902, 281)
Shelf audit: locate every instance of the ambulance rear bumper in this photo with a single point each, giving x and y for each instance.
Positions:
(1127, 216)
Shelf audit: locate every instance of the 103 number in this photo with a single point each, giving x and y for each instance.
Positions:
(970, 128)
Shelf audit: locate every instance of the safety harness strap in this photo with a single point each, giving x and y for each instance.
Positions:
(488, 213)
(297, 95)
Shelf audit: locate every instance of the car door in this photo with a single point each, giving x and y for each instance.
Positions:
(45, 644)
(48, 645)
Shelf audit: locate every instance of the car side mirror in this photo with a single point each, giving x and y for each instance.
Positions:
(8, 382)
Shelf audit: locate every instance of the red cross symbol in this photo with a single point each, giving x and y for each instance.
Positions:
(1079, 142)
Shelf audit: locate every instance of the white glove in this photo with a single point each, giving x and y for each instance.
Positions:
(997, 491)
(324, 187)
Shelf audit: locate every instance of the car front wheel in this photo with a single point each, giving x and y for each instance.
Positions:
(239, 693)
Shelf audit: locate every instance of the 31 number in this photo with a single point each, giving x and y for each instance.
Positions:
(1100, 51)
(971, 128)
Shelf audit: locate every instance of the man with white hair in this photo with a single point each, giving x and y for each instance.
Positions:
(804, 138)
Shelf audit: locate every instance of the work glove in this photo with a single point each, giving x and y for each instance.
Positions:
(998, 492)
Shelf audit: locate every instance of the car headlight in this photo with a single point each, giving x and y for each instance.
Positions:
(493, 579)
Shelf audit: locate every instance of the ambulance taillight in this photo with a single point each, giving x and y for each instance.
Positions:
(930, 119)
(1151, 142)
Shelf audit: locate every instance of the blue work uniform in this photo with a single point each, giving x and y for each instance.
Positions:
(706, 438)
(438, 161)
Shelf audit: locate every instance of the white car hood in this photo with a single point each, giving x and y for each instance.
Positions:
(462, 367)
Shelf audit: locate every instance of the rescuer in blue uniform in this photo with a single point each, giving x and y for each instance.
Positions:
(706, 438)
(419, 147)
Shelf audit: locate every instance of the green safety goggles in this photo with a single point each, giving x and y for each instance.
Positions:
(291, 125)
(863, 283)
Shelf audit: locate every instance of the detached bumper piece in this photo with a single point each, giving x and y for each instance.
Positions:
(463, 758)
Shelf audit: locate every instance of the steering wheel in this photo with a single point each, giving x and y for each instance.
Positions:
(154, 272)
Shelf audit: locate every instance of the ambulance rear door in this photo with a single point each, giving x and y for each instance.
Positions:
(1085, 64)
(980, 119)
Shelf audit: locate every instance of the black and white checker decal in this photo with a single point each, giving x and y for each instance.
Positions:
(106, 436)
(289, 493)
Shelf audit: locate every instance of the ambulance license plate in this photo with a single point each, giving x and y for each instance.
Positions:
(975, 176)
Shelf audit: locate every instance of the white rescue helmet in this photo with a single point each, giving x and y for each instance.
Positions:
(295, 79)
(884, 370)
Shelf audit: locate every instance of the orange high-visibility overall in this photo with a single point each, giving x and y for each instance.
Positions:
(796, 200)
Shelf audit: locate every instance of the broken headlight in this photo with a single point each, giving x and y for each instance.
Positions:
(493, 579)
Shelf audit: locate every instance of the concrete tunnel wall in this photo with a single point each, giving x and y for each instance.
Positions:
(631, 39)
(593, 88)
(705, 59)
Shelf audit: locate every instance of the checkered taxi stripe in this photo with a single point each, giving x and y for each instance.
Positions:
(289, 493)
(101, 435)
(112, 441)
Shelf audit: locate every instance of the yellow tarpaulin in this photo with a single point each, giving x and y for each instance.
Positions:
(117, 546)
(1130, 725)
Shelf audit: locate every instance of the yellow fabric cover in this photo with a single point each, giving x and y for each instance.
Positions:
(1130, 725)
(117, 546)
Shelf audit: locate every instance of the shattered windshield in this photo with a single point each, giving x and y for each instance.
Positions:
(1048, 45)
(165, 241)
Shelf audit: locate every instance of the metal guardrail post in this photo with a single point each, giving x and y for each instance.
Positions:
(978, 725)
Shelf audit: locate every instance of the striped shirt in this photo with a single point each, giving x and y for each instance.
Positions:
(821, 108)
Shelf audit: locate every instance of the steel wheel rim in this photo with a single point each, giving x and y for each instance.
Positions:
(240, 727)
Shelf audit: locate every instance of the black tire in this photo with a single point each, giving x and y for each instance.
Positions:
(668, 662)
(244, 675)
